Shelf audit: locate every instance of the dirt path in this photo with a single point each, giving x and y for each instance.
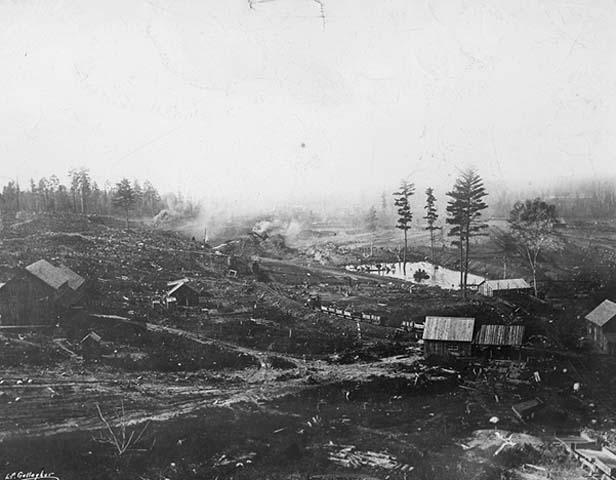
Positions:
(261, 357)
(61, 400)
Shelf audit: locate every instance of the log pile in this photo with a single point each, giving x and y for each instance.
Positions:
(350, 457)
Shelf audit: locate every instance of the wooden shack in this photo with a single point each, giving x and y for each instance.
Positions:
(448, 336)
(38, 293)
(601, 326)
(182, 293)
(499, 339)
(504, 287)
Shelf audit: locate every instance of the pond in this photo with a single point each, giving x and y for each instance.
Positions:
(422, 273)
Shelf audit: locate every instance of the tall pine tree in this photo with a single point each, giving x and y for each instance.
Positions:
(464, 210)
(405, 216)
(124, 197)
(431, 218)
(372, 223)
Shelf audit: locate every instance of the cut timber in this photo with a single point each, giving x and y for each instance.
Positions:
(60, 343)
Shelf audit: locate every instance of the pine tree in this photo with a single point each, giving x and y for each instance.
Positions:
(34, 196)
(372, 222)
(405, 216)
(139, 194)
(10, 199)
(81, 186)
(151, 199)
(44, 188)
(384, 209)
(96, 196)
(431, 217)
(54, 188)
(464, 210)
(124, 197)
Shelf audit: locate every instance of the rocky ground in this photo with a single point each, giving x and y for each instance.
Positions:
(257, 384)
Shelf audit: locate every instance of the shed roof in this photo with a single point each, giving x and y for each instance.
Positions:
(500, 335)
(449, 329)
(92, 336)
(54, 276)
(178, 286)
(507, 284)
(74, 279)
(603, 313)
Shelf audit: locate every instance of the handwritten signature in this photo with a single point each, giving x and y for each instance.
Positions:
(41, 475)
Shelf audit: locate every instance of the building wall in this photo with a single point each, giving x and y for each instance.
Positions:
(485, 290)
(597, 335)
(488, 291)
(444, 349)
(26, 301)
(513, 293)
(186, 296)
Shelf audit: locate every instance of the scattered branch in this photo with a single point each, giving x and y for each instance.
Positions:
(120, 438)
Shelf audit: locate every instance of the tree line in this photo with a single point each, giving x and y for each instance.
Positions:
(81, 194)
(574, 199)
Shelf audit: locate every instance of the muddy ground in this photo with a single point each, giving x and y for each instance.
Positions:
(255, 383)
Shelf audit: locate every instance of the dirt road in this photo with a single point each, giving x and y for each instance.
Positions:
(64, 399)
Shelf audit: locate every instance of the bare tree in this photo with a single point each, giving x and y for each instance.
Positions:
(532, 226)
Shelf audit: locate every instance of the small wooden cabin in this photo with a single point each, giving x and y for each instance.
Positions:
(601, 326)
(499, 339)
(38, 292)
(508, 286)
(182, 294)
(448, 336)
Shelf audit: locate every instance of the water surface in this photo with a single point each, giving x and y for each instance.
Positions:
(437, 276)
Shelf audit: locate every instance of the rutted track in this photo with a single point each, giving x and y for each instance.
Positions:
(57, 402)
(261, 357)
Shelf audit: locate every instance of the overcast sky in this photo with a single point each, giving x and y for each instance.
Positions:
(278, 101)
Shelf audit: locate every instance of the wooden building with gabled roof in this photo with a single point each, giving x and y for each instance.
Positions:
(601, 326)
(38, 293)
(500, 335)
(448, 336)
(182, 293)
(499, 340)
(504, 287)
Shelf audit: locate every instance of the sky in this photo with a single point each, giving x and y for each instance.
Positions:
(282, 100)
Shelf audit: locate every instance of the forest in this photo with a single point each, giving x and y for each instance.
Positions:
(573, 198)
(83, 195)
